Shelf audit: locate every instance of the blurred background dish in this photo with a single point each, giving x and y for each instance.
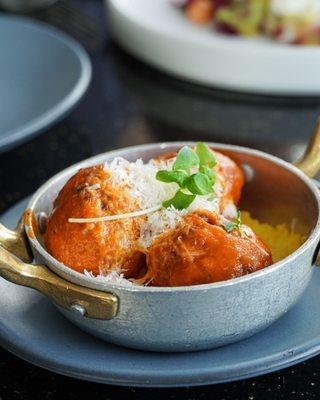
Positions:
(43, 74)
(288, 21)
(158, 33)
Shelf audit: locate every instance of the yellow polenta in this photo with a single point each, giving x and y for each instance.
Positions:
(280, 238)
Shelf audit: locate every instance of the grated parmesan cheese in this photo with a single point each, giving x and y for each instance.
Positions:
(148, 192)
(158, 223)
(139, 179)
(115, 275)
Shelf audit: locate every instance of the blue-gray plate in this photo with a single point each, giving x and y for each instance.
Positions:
(43, 74)
(32, 328)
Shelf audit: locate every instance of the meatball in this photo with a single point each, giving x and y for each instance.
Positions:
(93, 246)
(202, 251)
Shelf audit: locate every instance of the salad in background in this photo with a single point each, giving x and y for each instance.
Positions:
(288, 21)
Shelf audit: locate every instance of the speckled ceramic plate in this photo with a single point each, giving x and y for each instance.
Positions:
(32, 328)
(43, 75)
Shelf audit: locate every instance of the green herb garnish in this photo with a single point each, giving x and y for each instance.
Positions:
(211, 197)
(186, 159)
(234, 225)
(205, 155)
(172, 176)
(180, 200)
(209, 172)
(198, 183)
(192, 171)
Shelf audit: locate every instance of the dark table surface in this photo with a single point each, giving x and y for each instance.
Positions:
(129, 103)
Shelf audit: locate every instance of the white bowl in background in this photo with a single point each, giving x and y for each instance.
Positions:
(159, 34)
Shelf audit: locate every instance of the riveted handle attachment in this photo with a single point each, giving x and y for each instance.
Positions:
(88, 302)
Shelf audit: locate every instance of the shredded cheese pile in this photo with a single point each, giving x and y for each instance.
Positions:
(149, 193)
(140, 178)
(113, 276)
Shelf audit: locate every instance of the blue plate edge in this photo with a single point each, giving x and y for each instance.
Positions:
(56, 114)
(166, 381)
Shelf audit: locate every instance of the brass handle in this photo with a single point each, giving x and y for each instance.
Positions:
(317, 254)
(310, 161)
(88, 302)
(16, 242)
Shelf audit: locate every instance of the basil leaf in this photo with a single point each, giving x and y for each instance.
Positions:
(180, 200)
(205, 155)
(209, 172)
(239, 218)
(199, 184)
(172, 176)
(186, 159)
(230, 226)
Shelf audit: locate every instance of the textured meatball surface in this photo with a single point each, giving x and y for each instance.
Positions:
(93, 246)
(202, 251)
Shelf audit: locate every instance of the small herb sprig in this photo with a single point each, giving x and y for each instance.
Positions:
(234, 225)
(191, 183)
